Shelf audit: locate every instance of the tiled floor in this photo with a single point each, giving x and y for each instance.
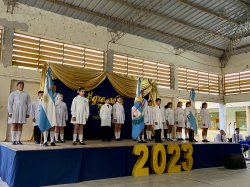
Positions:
(218, 177)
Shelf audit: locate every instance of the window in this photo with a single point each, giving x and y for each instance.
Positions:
(241, 120)
(214, 119)
(202, 82)
(133, 66)
(33, 52)
(236, 83)
(1, 41)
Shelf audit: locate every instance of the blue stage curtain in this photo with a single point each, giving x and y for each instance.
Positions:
(93, 126)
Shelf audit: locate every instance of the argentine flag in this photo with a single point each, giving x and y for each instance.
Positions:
(137, 113)
(47, 108)
(192, 114)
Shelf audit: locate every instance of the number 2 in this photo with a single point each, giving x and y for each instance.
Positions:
(139, 169)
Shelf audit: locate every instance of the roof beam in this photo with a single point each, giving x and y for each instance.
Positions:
(153, 12)
(244, 3)
(131, 24)
(208, 11)
(242, 47)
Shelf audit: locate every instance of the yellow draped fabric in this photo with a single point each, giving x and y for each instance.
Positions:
(75, 77)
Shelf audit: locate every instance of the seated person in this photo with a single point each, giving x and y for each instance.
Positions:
(237, 137)
(221, 137)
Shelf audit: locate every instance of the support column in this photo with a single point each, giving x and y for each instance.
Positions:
(174, 76)
(248, 120)
(222, 116)
(109, 61)
(8, 35)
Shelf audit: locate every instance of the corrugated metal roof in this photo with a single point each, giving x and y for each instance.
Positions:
(204, 26)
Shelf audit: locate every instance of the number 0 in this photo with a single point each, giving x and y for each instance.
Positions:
(158, 163)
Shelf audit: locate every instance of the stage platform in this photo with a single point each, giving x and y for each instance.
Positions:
(31, 165)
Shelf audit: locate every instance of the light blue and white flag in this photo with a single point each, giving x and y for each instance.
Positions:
(137, 113)
(193, 113)
(47, 108)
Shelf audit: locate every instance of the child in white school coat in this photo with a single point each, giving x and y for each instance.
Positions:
(179, 121)
(61, 118)
(205, 121)
(169, 116)
(149, 119)
(118, 117)
(159, 120)
(18, 112)
(80, 114)
(105, 115)
(35, 112)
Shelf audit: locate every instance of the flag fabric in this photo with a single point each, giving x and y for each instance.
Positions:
(137, 113)
(192, 115)
(47, 108)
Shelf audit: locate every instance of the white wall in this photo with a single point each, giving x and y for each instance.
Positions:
(8, 77)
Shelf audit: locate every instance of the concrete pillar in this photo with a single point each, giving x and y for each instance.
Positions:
(248, 119)
(174, 70)
(109, 61)
(222, 116)
(8, 35)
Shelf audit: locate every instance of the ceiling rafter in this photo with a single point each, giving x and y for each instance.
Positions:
(208, 11)
(244, 3)
(130, 24)
(165, 17)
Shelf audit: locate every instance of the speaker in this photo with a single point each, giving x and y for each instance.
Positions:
(235, 161)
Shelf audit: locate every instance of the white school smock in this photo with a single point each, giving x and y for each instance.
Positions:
(80, 110)
(159, 117)
(220, 138)
(61, 114)
(180, 117)
(169, 115)
(18, 106)
(35, 111)
(205, 118)
(105, 115)
(149, 115)
(118, 113)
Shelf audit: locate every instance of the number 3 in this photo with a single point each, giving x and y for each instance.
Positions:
(139, 169)
(188, 149)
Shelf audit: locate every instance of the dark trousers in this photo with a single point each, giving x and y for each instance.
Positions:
(191, 135)
(166, 133)
(158, 135)
(37, 134)
(106, 133)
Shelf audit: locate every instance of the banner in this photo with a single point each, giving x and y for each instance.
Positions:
(96, 99)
